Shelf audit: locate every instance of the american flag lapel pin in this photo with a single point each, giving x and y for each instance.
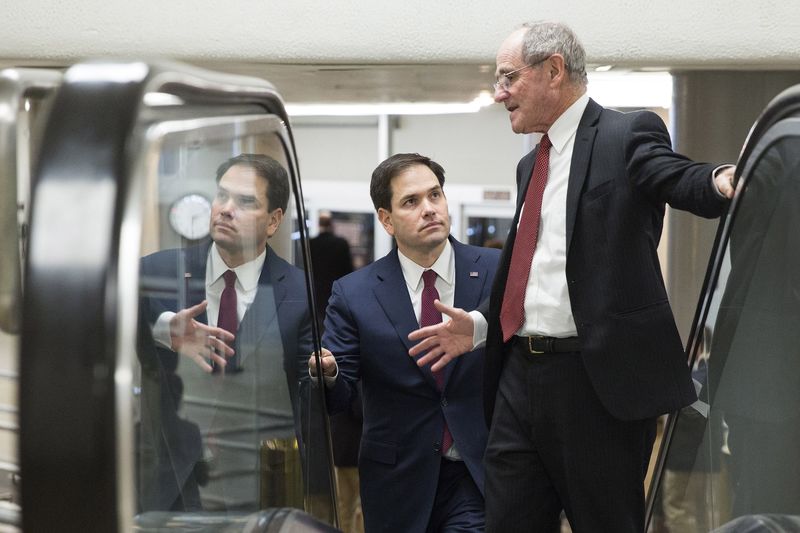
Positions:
(473, 274)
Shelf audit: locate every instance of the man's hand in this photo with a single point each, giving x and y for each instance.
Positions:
(445, 341)
(197, 341)
(328, 364)
(724, 181)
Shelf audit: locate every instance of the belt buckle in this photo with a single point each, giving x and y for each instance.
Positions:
(530, 346)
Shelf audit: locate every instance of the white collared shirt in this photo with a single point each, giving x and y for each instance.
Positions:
(445, 268)
(247, 276)
(547, 306)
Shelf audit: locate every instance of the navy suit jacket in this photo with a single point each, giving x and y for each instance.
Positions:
(281, 297)
(369, 317)
(273, 340)
(622, 173)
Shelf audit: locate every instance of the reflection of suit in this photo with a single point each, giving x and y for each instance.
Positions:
(367, 326)
(330, 260)
(272, 343)
(631, 366)
(754, 369)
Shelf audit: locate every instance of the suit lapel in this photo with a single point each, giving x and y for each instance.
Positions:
(524, 176)
(579, 166)
(264, 309)
(471, 276)
(392, 295)
(194, 276)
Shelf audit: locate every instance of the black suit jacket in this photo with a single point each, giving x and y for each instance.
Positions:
(622, 173)
(330, 260)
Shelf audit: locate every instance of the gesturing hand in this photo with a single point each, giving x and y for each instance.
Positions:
(197, 341)
(445, 341)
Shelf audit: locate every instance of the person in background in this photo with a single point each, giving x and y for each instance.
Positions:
(330, 260)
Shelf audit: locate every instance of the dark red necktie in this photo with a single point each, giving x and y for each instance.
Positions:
(512, 314)
(227, 318)
(428, 316)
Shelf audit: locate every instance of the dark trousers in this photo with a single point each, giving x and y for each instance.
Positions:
(458, 507)
(553, 446)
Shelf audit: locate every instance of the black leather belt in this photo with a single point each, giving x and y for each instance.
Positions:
(538, 344)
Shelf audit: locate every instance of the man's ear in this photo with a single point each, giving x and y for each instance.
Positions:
(275, 219)
(385, 218)
(556, 68)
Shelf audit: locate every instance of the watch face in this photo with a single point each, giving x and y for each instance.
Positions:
(189, 216)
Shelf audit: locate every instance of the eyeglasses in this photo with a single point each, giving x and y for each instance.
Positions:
(506, 80)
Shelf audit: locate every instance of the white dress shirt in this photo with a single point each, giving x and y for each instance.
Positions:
(445, 268)
(547, 306)
(246, 286)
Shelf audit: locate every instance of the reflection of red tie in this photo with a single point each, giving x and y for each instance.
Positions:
(227, 318)
(512, 314)
(428, 316)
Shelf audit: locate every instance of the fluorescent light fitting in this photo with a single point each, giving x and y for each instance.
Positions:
(420, 108)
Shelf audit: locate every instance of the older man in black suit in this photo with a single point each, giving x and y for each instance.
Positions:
(582, 351)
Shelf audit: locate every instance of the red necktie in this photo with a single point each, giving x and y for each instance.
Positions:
(227, 318)
(428, 316)
(512, 314)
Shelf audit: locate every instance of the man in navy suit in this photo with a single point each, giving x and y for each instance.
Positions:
(255, 364)
(424, 436)
(582, 351)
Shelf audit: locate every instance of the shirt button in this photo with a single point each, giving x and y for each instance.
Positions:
(444, 402)
(437, 447)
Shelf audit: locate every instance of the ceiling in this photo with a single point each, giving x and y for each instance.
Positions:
(371, 83)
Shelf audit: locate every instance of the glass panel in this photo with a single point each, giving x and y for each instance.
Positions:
(738, 458)
(224, 425)
(488, 231)
(24, 99)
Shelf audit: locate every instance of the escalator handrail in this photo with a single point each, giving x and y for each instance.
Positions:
(98, 375)
(785, 104)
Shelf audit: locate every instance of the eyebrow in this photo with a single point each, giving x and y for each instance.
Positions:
(424, 193)
(236, 195)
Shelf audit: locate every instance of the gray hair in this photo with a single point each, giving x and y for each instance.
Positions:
(543, 39)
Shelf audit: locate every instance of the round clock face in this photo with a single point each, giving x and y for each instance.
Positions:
(189, 216)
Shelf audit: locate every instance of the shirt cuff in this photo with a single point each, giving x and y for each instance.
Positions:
(480, 326)
(714, 176)
(161, 329)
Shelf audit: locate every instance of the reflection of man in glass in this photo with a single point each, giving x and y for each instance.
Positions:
(754, 368)
(239, 312)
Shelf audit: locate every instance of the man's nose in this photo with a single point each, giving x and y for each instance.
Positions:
(227, 207)
(427, 207)
(500, 94)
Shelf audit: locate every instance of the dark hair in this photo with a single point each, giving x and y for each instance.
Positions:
(380, 188)
(267, 168)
